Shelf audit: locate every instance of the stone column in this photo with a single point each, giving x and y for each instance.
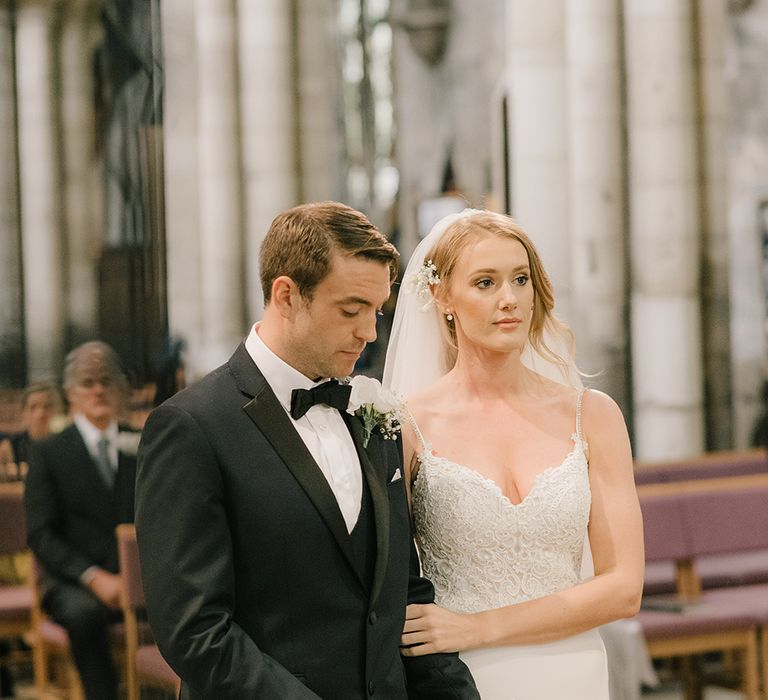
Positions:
(268, 123)
(747, 157)
(596, 185)
(538, 135)
(11, 301)
(223, 322)
(319, 71)
(665, 229)
(40, 158)
(180, 154)
(79, 29)
(712, 29)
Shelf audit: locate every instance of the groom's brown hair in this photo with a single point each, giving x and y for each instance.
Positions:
(301, 242)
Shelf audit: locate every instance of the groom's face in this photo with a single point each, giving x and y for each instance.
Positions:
(329, 331)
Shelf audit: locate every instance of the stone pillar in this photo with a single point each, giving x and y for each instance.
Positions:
(713, 107)
(12, 369)
(747, 99)
(596, 184)
(223, 320)
(40, 158)
(181, 165)
(538, 135)
(78, 123)
(319, 71)
(665, 229)
(268, 123)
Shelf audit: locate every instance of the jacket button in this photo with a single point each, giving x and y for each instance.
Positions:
(371, 687)
(373, 617)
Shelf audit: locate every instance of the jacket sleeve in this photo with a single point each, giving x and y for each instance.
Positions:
(187, 565)
(44, 514)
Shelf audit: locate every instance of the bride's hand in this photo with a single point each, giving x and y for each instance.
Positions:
(430, 629)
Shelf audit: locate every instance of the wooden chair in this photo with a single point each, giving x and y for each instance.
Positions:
(145, 665)
(56, 675)
(16, 596)
(688, 520)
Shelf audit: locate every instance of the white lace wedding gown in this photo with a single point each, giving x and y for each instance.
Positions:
(481, 551)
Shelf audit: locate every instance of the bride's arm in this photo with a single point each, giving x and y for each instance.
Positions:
(616, 538)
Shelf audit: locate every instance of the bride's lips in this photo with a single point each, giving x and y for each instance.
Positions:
(508, 322)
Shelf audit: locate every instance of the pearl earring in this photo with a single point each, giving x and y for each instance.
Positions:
(449, 316)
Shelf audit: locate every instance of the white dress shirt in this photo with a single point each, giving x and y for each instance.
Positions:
(92, 435)
(321, 428)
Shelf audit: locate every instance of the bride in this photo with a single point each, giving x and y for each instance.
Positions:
(515, 471)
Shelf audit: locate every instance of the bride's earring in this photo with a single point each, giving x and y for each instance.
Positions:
(449, 316)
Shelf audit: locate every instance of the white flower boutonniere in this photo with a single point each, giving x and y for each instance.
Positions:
(128, 443)
(376, 406)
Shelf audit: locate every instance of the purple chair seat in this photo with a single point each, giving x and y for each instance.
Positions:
(15, 602)
(51, 633)
(715, 571)
(706, 619)
(709, 466)
(741, 599)
(659, 577)
(149, 661)
(738, 569)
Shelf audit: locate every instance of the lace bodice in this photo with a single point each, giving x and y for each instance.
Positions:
(480, 550)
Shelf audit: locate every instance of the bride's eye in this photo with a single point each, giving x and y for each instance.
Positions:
(521, 280)
(484, 283)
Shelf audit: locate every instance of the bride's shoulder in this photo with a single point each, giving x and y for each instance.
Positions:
(599, 408)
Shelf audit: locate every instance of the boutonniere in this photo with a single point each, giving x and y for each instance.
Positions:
(128, 443)
(376, 406)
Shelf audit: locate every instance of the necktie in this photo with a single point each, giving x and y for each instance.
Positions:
(104, 462)
(330, 393)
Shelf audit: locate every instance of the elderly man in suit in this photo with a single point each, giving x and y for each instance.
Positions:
(274, 535)
(79, 487)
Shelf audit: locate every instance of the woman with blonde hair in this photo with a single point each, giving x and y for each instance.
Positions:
(518, 475)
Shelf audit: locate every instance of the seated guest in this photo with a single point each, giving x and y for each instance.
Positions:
(39, 402)
(79, 487)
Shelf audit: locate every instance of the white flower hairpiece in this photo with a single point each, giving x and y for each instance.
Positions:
(376, 406)
(421, 281)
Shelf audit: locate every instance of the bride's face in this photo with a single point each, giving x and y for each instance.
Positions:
(490, 294)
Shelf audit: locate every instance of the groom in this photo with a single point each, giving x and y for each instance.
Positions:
(276, 551)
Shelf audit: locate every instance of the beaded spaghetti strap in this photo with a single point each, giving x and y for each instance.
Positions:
(579, 400)
(424, 444)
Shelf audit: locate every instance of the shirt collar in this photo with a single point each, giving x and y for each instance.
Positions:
(91, 434)
(281, 377)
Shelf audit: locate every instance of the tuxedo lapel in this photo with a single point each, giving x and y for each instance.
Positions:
(269, 416)
(88, 470)
(377, 488)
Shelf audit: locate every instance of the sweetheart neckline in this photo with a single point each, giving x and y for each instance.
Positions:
(578, 446)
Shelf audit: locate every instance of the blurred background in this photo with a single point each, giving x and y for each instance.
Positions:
(146, 145)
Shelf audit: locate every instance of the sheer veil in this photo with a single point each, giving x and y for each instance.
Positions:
(415, 351)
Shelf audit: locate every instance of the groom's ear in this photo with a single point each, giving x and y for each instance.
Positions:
(285, 296)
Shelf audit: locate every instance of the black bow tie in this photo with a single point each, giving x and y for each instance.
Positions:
(329, 393)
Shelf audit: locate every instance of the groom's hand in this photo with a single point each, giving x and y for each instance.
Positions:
(430, 629)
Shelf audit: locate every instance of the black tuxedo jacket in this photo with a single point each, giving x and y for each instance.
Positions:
(71, 512)
(249, 574)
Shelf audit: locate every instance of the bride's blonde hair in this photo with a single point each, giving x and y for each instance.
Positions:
(445, 255)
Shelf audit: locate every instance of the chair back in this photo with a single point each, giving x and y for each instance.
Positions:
(13, 520)
(130, 570)
(726, 521)
(663, 528)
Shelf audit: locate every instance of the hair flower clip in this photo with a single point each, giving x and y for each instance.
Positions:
(421, 281)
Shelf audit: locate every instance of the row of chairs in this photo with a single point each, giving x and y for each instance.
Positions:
(714, 521)
(21, 615)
